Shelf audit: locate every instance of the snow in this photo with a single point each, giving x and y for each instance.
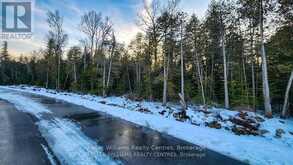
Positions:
(264, 150)
(70, 145)
(64, 137)
(24, 104)
(49, 155)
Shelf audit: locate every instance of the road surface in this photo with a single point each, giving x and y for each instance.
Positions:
(21, 142)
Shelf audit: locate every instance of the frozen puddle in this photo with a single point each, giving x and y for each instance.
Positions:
(70, 145)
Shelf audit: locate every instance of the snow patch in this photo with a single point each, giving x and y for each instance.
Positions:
(70, 145)
(24, 104)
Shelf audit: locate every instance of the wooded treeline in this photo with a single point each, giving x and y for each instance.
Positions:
(239, 55)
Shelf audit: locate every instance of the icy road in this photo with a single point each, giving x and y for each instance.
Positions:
(36, 130)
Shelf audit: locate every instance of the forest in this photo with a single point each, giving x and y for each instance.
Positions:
(238, 56)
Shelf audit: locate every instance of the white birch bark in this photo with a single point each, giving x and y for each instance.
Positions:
(182, 70)
(225, 72)
(285, 105)
(266, 90)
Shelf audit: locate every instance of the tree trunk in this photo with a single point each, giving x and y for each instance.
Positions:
(109, 72)
(225, 72)
(182, 71)
(104, 78)
(84, 59)
(252, 68)
(266, 90)
(47, 79)
(200, 77)
(128, 77)
(58, 72)
(166, 75)
(253, 85)
(285, 105)
(166, 64)
(75, 75)
(92, 46)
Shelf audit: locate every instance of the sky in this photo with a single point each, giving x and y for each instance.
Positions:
(123, 15)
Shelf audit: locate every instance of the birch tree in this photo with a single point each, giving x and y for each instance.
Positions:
(182, 95)
(265, 81)
(223, 38)
(113, 47)
(285, 105)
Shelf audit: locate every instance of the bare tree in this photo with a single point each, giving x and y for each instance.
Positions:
(105, 30)
(113, 47)
(90, 24)
(57, 33)
(167, 26)
(148, 20)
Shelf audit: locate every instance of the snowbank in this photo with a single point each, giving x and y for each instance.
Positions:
(252, 149)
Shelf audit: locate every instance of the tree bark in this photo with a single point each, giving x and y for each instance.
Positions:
(58, 72)
(110, 68)
(128, 77)
(104, 78)
(182, 70)
(266, 90)
(252, 67)
(47, 79)
(166, 75)
(225, 72)
(285, 105)
(75, 75)
(166, 61)
(200, 77)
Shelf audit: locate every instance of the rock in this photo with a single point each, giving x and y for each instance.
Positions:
(144, 110)
(181, 116)
(263, 131)
(240, 130)
(162, 112)
(245, 123)
(259, 119)
(205, 111)
(279, 133)
(194, 123)
(115, 105)
(102, 102)
(214, 124)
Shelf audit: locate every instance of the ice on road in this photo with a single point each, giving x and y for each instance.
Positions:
(64, 137)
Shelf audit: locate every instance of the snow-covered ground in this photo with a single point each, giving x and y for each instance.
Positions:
(64, 137)
(265, 149)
